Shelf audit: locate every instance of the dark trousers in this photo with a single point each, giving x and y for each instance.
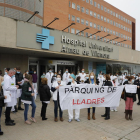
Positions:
(0, 117)
(56, 105)
(139, 96)
(107, 111)
(93, 110)
(43, 110)
(19, 102)
(7, 113)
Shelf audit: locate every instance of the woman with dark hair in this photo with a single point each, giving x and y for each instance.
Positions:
(129, 98)
(55, 90)
(45, 97)
(107, 109)
(78, 80)
(27, 98)
(91, 80)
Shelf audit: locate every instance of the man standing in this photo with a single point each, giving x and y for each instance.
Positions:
(9, 86)
(82, 75)
(49, 76)
(34, 76)
(66, 76)
(137, 82)
(19, 78)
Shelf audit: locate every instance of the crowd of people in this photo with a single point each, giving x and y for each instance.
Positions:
(23, 87)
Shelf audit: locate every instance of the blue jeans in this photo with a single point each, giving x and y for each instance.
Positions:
(27, 108)
(56, 105)
(93, 110)
(0, 117)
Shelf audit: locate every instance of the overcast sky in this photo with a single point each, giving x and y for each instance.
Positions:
(132, 8)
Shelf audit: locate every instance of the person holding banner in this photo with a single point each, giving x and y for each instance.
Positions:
(77, 111)
(129, 98)
(2, 97)
(82, 75)
(107, 109)
(92, 80)
(55, 90)
(27, 98)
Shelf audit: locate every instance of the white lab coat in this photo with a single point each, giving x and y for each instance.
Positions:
(101, 79)
(9, 85)
(49, 78)
(77, 111)
(66, 77)
(83, 76)
(54, 85)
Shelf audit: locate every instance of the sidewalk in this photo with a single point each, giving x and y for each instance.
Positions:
(117, 128)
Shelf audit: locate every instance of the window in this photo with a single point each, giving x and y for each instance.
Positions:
(114, 23)
(114, 42)
(90, 35)
(99, 6)
(110, 31)
(130, 38)
(116, 15)
(126, 37)
(102, 18)
(104, 39)
(73, 18)
(91, 13)
(82, 21)
(130, 47)
(116, 33)
(94, 3)
(98, 27)
(87, 11)
(95, 15)
(78, 20)
(98, 37)
(119, 16)
(69, 4)
(78, 7)
(113, 32)
(126, 45)
(98, 16)
(126, 28)
(90, 24)
(111, 12)
(91, 2)
(105, 9)
(94, 36)
(130, 30)
(130, 22)
(110, 41)
(107, 30)
(83, 9)
(107, 20)
(72, 31)
(111, 22)
(86, 23)
(73, 5)
(119, 25)
(126, 20)
(102, 8)
(94, 25)
(108, 11)
(86, 34)
(87, 1)
(69, 16)
(82, 33)
(77, 31)
(102, 28)
(119, 34)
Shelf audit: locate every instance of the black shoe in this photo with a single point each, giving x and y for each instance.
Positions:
(103, 115)
(107, 118)
(9, 123)
(44, 119)
(138, 103)
(19, 108)
(1, 133)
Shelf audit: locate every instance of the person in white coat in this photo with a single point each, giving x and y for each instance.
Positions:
(9, 86)
(72, 82)
(49, 76)
(66, 76)
(55, 90)
(82, 75)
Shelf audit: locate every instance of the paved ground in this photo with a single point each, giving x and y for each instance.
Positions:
(117, 128)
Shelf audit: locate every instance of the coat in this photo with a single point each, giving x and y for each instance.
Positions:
(9, 85)
(137, 82)
(49, 78)
(26, 92)
(1, 99)
(55, 92)
(108, 83)
(1, 80)
(45, 94)
(19, 78)
(130, 95)
(66, 77)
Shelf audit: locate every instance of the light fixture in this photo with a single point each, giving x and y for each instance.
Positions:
(36, 12)
(94, 33)
(83, 30)
(52, 22)
(69, 26)
(104, 36)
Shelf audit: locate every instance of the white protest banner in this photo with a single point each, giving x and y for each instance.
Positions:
(131, 88)
(87, 95)
(8, 99)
